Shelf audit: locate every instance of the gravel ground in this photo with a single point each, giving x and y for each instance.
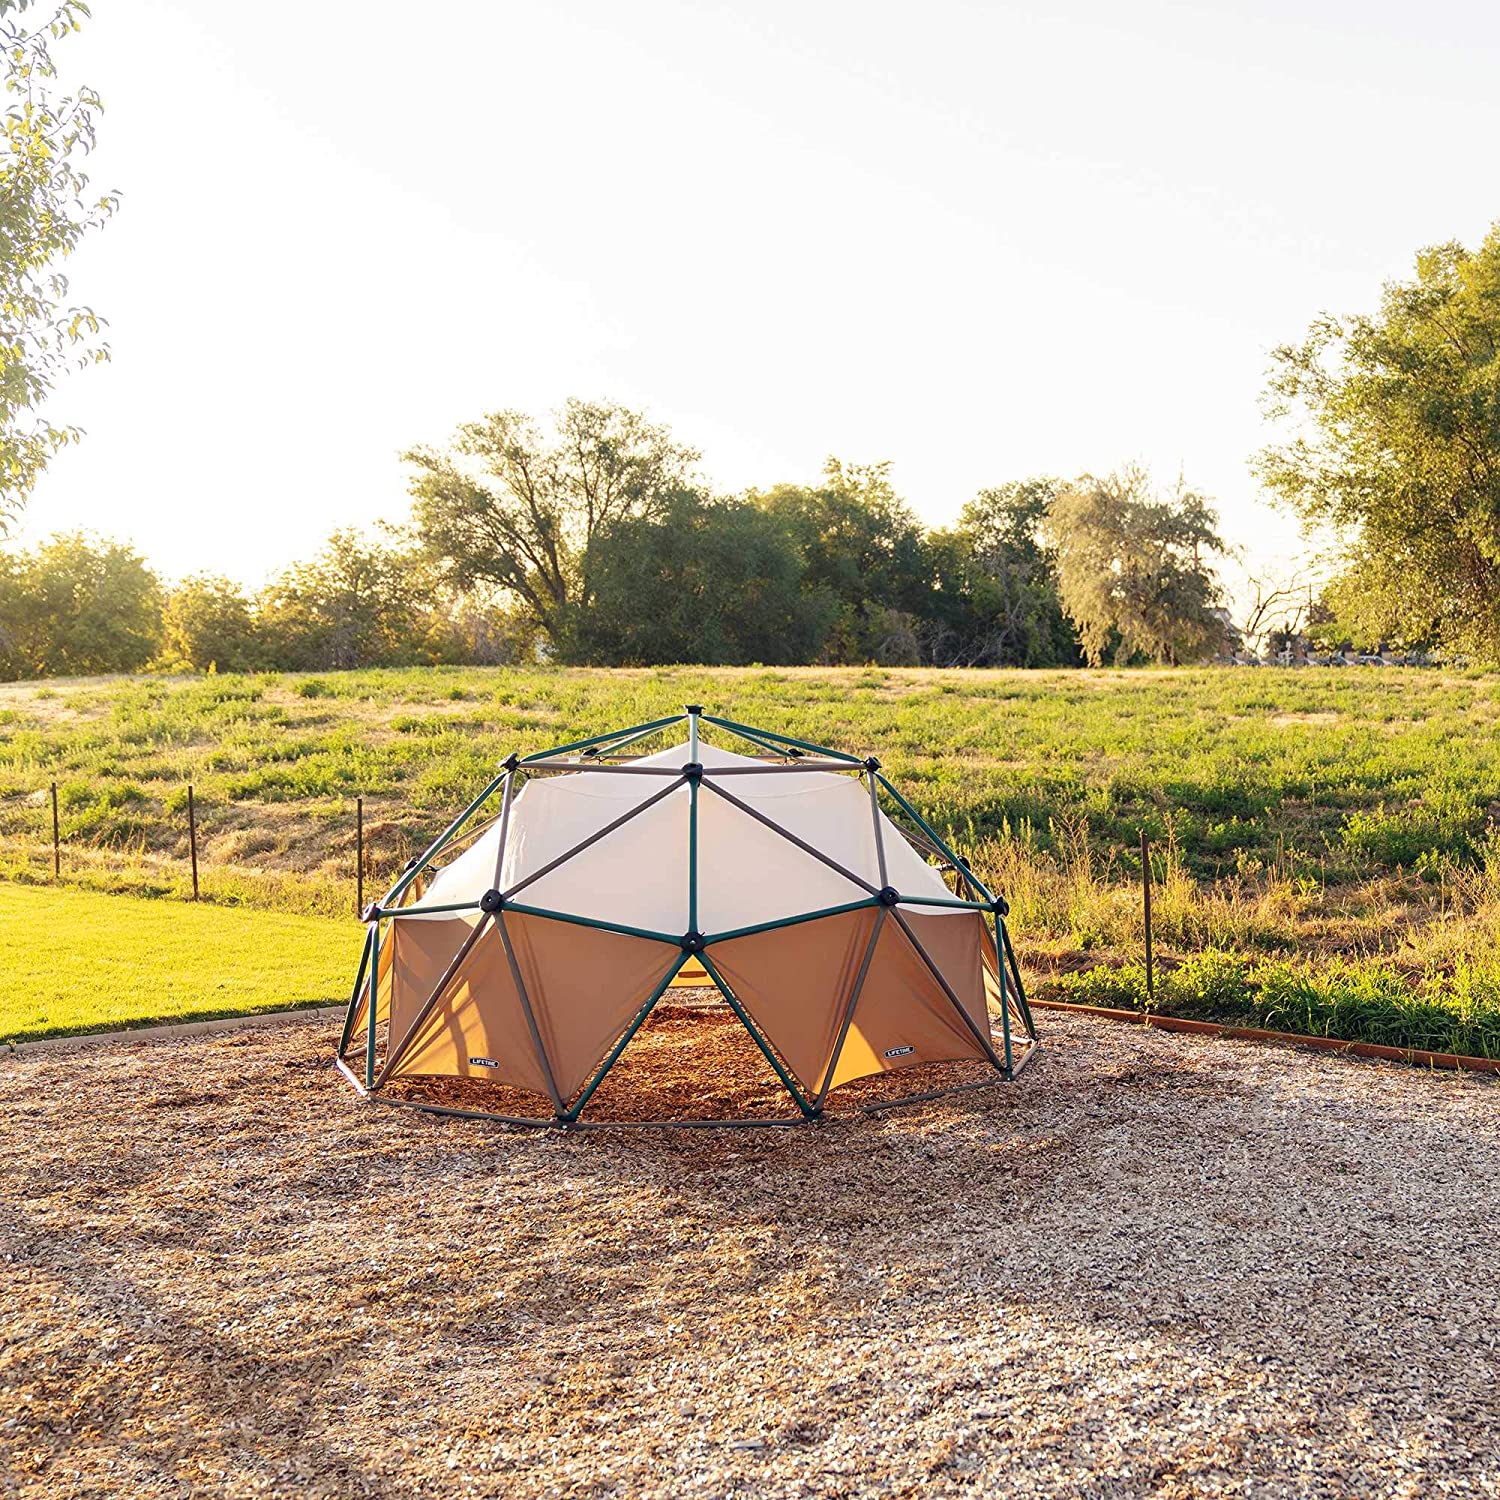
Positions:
(1156, 1265)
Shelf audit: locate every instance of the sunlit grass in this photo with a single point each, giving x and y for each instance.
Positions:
(77, 961)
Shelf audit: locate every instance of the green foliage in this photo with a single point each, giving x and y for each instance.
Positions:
(1132, 569)
(511, 508)
(1355, 1002)
(76, 605)
(1247, 766)
(1393, 436)
(994, 598)
(863, 551)
(209, 624)
(46, 208)
(715, 582)
(1445, 822)
(357, 604)
(1372, 605)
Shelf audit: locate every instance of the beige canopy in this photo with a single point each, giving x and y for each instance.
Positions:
(533, 957)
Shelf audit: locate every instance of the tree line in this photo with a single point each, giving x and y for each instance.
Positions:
(593, 539)
(592, 542)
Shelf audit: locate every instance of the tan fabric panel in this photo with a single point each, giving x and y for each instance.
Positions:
(955, 942)
(795, 983)
(478, 1028)
(420, 950)
(903, 1017)
(585, 987)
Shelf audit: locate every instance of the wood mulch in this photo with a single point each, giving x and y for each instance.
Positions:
(1153, 1266)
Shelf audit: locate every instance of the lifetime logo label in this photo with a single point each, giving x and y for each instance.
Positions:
(483, 1062)
(889, 1051)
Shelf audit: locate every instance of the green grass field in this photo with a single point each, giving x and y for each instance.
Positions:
(1321, 822)
(78, 961)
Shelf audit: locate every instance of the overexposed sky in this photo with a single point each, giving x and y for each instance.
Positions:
(980, 240)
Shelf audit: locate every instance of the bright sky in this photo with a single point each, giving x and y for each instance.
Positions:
(980, 240)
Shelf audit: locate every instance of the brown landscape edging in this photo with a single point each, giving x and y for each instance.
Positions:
(173, 1029)
(1376, 1050)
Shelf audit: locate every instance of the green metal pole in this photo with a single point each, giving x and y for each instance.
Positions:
(1015, 974)
(692, 712)
(750, 1026)
(755, 739)
(359, 982)
(395, 1050)
(956, 902)
(982, 1037)
(693, 856)
(615, 746)
(374, 988)
(525, 999)
(427, 911)
(875, 818)
(854, 993)
(505, 801)
(443, 840)
(603, 739)
(783, 739)
(597, 923)
(931, 832)
(1004, 998)
(810, 916)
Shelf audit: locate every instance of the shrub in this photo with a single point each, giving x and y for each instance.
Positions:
(1444, 822)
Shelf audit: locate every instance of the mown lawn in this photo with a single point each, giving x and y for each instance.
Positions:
(78, 961)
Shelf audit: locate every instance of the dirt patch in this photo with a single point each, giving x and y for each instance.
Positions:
(1152, 1266)
(1318, 716)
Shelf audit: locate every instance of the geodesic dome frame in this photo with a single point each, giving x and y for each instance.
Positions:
(475, 977)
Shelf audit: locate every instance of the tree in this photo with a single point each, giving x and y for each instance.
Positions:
(45, 210)
(861, 547)
(1274, 611)
(995, 600)
(475, 629)
(510, 506)
(1132, 569)
(357, 604)
(77, 605)
(1391, 426)
(717, 582)
(1372, 604)
(207, 622)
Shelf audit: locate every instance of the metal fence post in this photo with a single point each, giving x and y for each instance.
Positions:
(193, 838)
(359, 855)
(1146, 899)
(56, 838)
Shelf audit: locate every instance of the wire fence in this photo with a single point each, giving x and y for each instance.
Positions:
(85, 855)
(360, 875)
